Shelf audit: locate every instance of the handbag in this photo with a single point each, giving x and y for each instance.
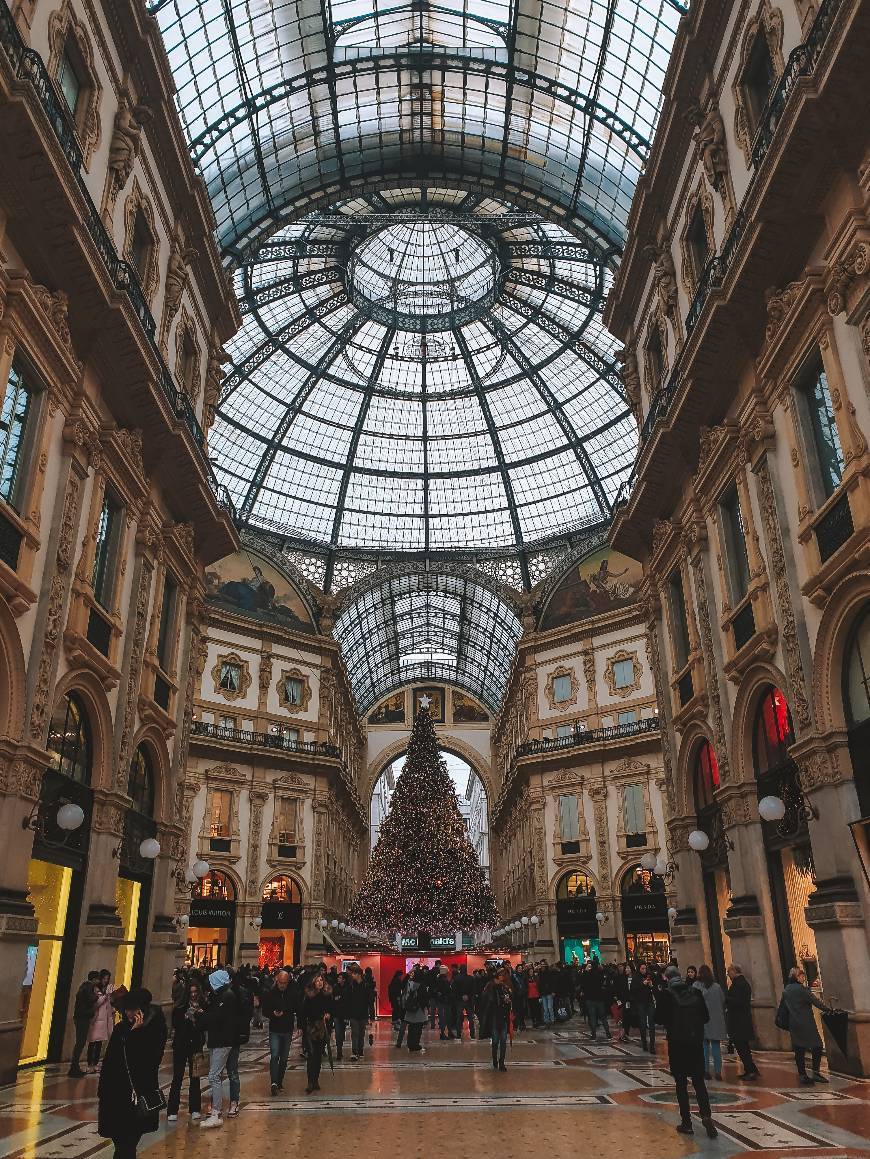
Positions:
(782, 1019)
(200, 1064)
(147, 1104)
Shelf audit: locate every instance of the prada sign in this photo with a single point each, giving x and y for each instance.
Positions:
(576, 916)
(645, 913)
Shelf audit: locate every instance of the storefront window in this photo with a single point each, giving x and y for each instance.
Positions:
(576, 885)
(773, 732)
(141, 783)
(856, 700)
(49, 894)
(216, 885)
(282, 888)
(707, 779)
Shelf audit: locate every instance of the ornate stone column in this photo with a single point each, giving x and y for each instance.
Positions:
(837, 909)
(247, 940)
(689, 938)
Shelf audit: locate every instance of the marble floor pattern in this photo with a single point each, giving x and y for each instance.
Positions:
(561, 1093)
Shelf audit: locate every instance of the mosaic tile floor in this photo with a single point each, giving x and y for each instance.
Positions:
(560, 1090)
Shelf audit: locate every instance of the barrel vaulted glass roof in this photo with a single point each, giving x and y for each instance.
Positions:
(427, 626)
(423, 205)
(289, 101)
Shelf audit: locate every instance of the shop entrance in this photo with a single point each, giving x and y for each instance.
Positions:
(210, 935)
(579, 951)
(281, 915)
(645, 921)
(576, 906)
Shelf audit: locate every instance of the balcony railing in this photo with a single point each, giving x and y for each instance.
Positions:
(801, 63)
(266, 740)
(582, 737)
(29, 66)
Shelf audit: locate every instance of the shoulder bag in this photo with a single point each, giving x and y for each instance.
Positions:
(146, 1104)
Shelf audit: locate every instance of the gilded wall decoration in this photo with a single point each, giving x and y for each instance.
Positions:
(291, 682)
(719, 733)
(231, 676)
(601, 582)
(550, 688)
(248, 584)
(621, 657)
(788, 626)
(134, 675)
(258, 798)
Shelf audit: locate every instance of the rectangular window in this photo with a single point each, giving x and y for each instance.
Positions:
(623, 673)
(286, 820)
(227, 722)
(758, 80)
(293, 690)
(561, 689)
(629, 716)
(106, 556)
(679, 621)
(69, 82)
(569, 819)
(231, 677)
(735, 544)
(564, 730)
(819, 410)
(634, 813)
(141, 245)
(13, 426)
(219, 818)
(696, 238)
(167, 622)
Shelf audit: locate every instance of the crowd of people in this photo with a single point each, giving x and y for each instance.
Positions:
(213, 1011)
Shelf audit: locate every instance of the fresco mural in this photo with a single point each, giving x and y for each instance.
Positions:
(390, 711)
(466, 710)
(599, 583)
(250, 584)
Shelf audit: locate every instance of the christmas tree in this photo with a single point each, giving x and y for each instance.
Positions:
(424, 874)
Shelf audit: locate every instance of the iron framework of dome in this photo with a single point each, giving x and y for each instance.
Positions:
(422, 204)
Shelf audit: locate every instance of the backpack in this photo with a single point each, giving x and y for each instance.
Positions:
(687, 1023)
(783, 1018)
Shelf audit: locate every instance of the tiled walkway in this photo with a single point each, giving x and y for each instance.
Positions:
(561, 1093)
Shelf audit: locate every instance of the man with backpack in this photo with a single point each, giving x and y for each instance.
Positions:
(681, 1009)
(415, 1002)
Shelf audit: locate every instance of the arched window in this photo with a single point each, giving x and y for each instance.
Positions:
(856, 676)
(706, 776)
(282, 888)
(774, 733)
(640, 880)
(217, 885)
(69, 740)
(141, 783)
(575, 885)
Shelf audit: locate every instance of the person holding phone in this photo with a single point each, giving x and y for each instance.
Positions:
(130, 1073)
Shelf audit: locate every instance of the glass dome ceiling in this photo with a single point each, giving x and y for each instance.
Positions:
(423, 370)
(422, 204)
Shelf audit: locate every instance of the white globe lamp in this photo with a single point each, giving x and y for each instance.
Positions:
(672, 913)
(70, 817)
(149, 848)
(200, 869)
(771, 808)
(698, 840)
(648, 861)
(599, 917)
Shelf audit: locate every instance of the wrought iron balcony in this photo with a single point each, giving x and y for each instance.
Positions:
(583, 737)
(266, 740)
(801, 63)
(29, 66)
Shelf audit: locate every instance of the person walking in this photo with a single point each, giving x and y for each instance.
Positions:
(641, 996)
(83, 1011)
(716, 1029)
(798, 1001)
(244, 1014)
(394, 993)
(188, 1041)
(315, 1021)
(683, 1013)
(595, 1000)
(220, 1023)
(738, 1018)
(102, 1021)
(357, 1003)
(499, 996)
(415, 1001)
(547, 991)
(130, 1074)
(279, 1008)
(339, 1013)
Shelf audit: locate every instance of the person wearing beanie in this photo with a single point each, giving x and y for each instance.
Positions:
(683, 1013)
(220, 1022)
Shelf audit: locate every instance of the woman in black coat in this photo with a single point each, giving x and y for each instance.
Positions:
(130, 1069)
(187, 1040)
